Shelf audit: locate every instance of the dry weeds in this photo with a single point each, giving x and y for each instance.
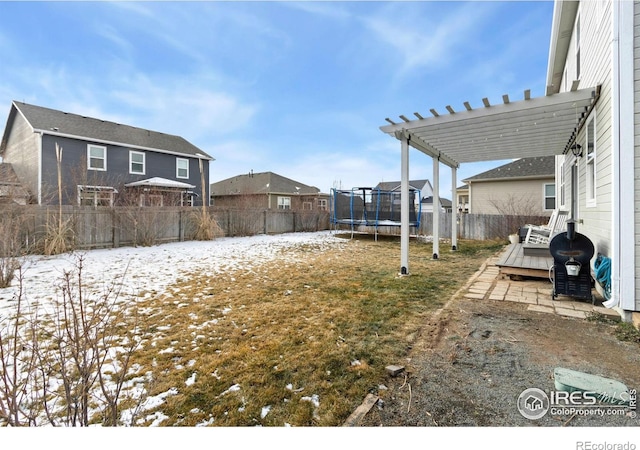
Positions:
(300, 341)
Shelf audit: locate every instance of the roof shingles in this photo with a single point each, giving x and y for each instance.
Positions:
(51, 121)
(521, 168)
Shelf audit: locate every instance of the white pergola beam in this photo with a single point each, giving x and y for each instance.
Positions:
(535, 127)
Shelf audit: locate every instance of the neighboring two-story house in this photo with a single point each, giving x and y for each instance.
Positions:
(426, 194)
(267, 190)
(100, 163)
(524, 187)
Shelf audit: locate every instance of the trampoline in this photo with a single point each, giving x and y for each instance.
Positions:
(373, 207)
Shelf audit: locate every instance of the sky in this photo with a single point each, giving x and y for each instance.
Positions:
(296, 88)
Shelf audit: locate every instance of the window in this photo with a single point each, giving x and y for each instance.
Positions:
(97, 157)
(136, 163)
(549, 197)
(284, 202)
(182, 168)
(96, 195)
(591, 161)
(561, 177)
(307, 206)
(322, 204)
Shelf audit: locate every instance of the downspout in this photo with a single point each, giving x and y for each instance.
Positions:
(623, 223)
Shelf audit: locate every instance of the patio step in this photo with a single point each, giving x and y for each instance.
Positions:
(536, 250)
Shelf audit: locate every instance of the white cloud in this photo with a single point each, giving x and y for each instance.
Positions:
(420, 41)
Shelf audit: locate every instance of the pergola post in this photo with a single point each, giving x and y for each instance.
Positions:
(454, 203)
(404, 207)
(436, 208)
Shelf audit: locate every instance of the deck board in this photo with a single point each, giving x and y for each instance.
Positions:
(514, 262)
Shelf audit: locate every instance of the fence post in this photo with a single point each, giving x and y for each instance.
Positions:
(115, 227)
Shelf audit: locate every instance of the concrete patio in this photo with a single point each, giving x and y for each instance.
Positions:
(489, 284)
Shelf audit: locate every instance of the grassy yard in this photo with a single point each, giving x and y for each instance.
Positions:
(300, 340)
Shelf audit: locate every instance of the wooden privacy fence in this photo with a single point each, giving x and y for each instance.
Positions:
(470, 226)
(89, 227)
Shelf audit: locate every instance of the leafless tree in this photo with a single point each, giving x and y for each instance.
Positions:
(517, 210)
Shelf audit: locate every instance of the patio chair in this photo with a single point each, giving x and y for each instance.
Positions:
(542, 234)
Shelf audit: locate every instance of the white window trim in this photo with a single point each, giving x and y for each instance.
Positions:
(561, 193)
(89, 157)
(282, 204)
(545, 197)
(178, 160)
(591, 180)
(144, 162)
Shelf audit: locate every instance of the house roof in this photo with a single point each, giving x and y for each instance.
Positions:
(59, 123)
(415, 184)
(444, 202)
(161, 182)
(539, 126)
(261, 183)
(536, 167)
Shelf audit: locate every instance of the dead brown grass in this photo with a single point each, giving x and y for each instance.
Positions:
(305, 338)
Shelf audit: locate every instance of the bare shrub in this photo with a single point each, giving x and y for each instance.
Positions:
(12, 221)
(68, 367)
(17, 366)
(206, 227)
(310, 220)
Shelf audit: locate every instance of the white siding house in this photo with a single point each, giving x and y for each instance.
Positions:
(600, 50)
(589, 119)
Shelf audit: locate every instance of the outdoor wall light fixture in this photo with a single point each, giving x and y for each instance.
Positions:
(576, 149)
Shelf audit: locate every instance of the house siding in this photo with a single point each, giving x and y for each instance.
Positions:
(74, 169)
(594, 221)
(485, 196)
(21, 151)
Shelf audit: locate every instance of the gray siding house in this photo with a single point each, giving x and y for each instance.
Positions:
(522, 187)
(100, 163)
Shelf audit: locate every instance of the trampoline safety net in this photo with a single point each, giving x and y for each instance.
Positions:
(373, 207)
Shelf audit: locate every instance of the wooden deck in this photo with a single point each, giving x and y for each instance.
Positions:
(514, 261)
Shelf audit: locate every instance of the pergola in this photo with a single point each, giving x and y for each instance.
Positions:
(541, 126)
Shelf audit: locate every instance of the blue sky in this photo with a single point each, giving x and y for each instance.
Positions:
(297, 88)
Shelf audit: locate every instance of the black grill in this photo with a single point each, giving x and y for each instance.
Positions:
(570, 274)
